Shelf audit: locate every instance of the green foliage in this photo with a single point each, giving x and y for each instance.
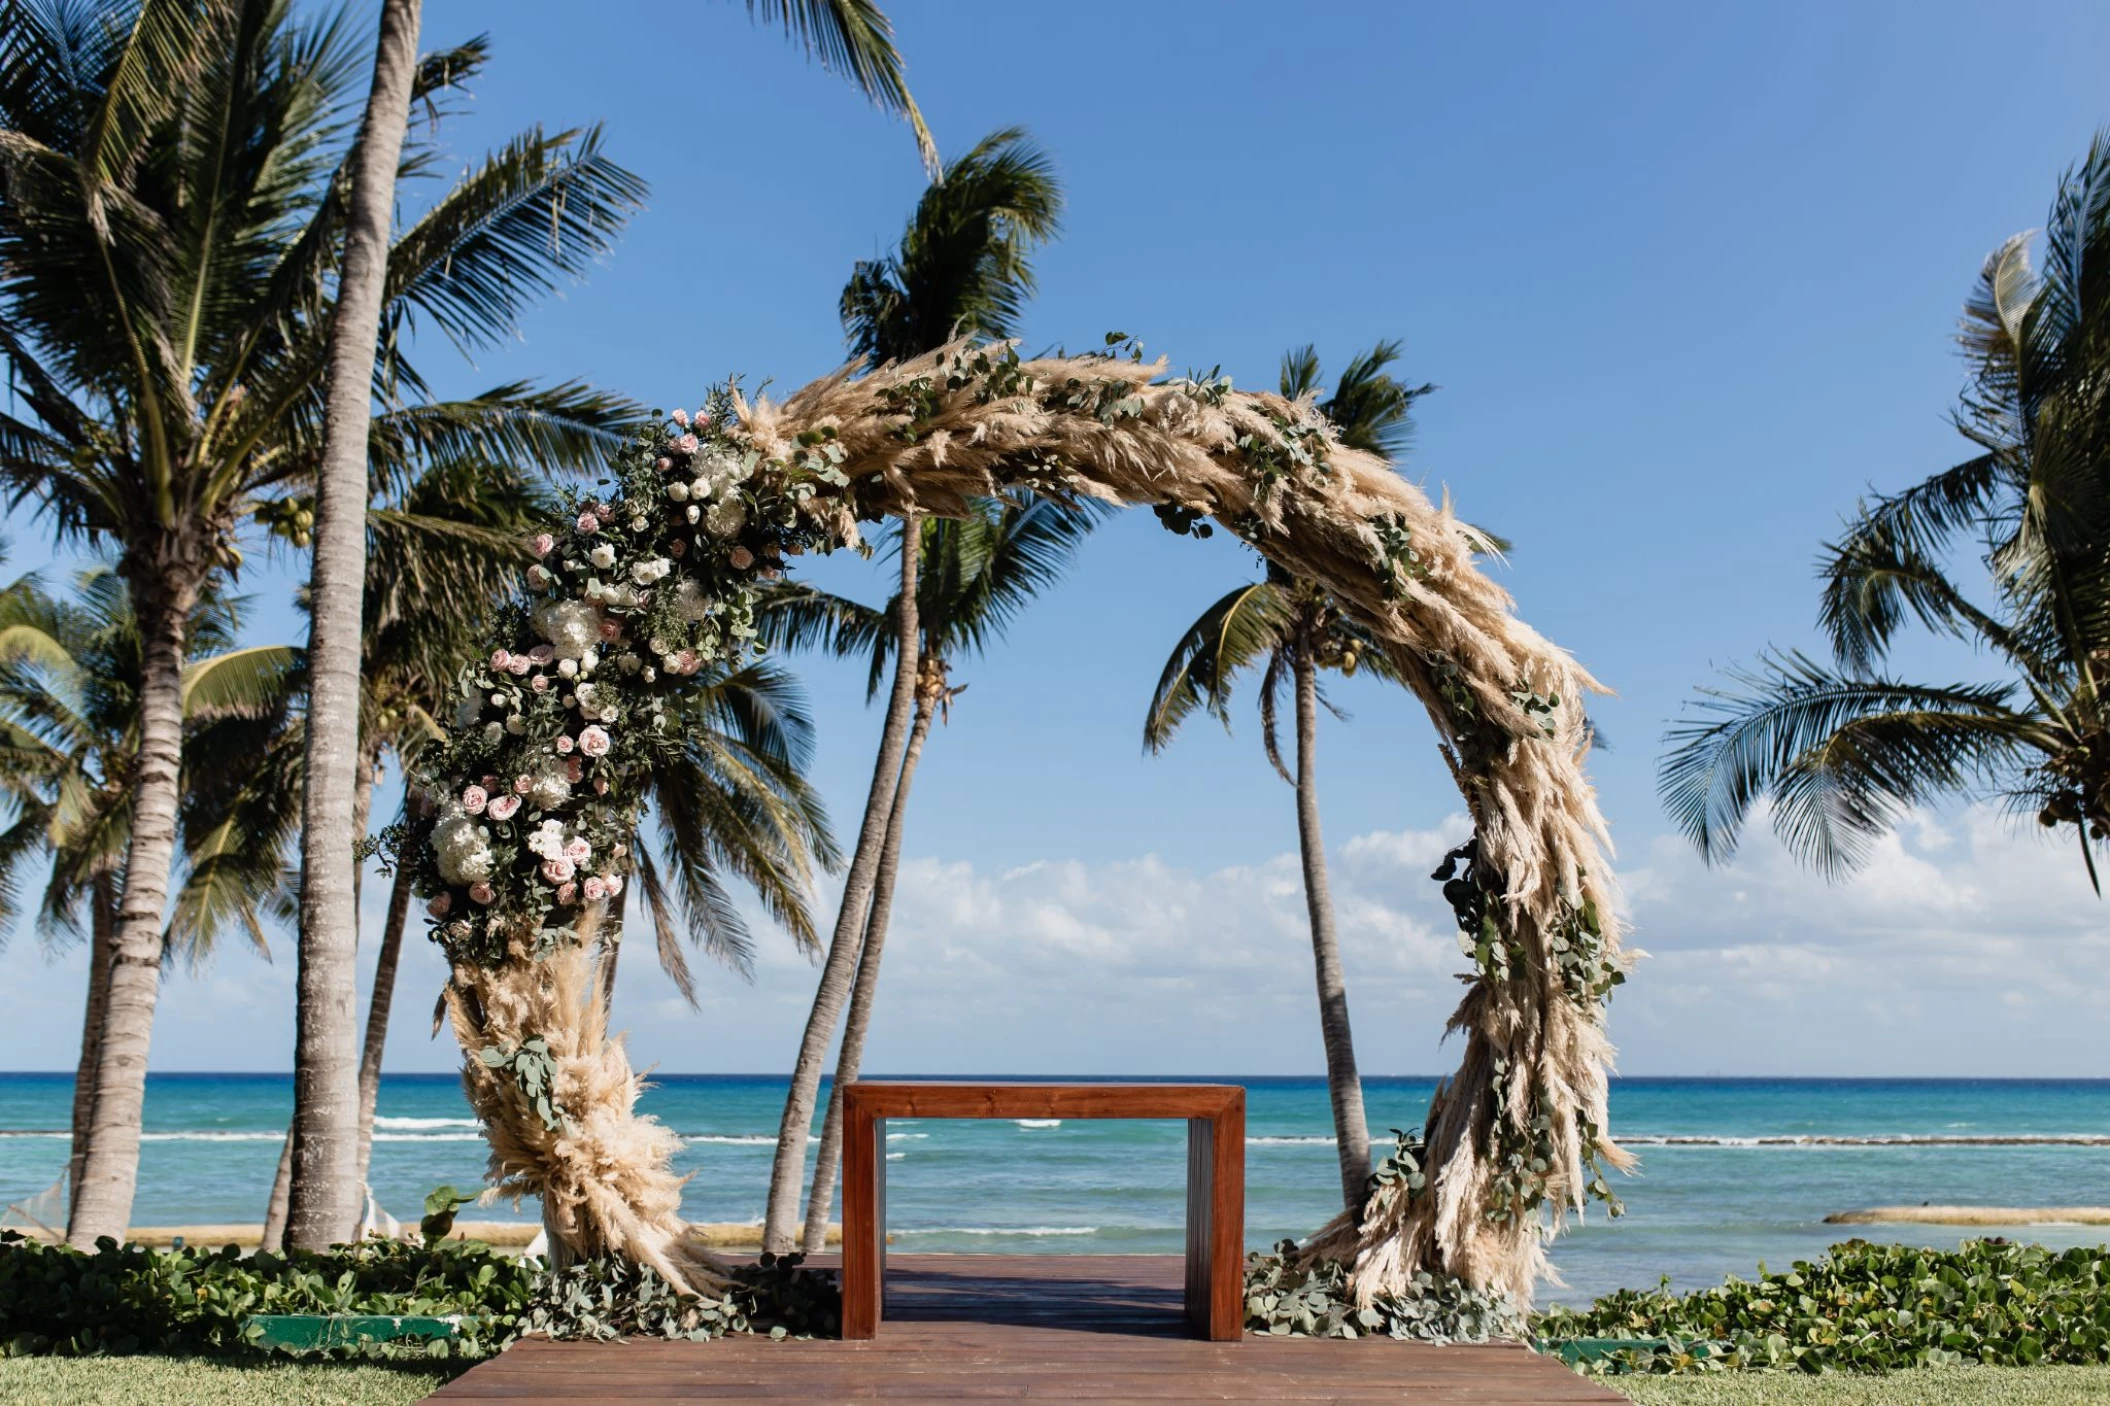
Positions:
(123, 1299)
(1285, 1298)
(440, 1205)
(186, 1381)
(1867, 1307)
(535, 1070)
(604, 1299)
(133, 1299)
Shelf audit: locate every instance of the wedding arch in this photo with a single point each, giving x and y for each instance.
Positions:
(656, 577)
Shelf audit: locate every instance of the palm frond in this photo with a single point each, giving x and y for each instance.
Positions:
(1242, 628)
(1840, 757)
(855, 39)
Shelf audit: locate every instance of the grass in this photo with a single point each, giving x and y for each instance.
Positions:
(1932, 1386)
(192, 1381)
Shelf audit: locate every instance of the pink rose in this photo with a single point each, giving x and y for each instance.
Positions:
(610, 630)
(600, 785)
(613, 882)
(564, 746)
(662, 463)
(595, 890)
(439, 905)
(540, 683)
(543, 544)
(542, 653)
(688, 661)
(701, 420)
(741, 558)
(518, 665)
(499, 659)
(523, 784)
(481, 892)
(589, 524)
(504, 807)
(574, 769)
(558, 870)
(473, 800)
(577, 850)
(677, 547)
(594, 742)
(681, 417)
(688, 444)
(538, 576)
(567, 894)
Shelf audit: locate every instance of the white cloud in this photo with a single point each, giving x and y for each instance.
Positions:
(1964, 948)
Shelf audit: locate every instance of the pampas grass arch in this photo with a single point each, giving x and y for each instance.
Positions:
(656, 577)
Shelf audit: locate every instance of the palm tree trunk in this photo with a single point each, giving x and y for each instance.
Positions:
(1351, 1132)
(822, 1198)
(274, 1237)
(384, 995)
(612, 944)
(323, 1199)
(102, 945)
(780, 1221)
(110, 1166)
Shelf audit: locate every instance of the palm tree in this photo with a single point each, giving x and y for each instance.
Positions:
(443, 554)
(69, 737)
(1290, 630)
(963, 267)
(173, 221)
(975, 575)
(331, 1121)
(1842, 750)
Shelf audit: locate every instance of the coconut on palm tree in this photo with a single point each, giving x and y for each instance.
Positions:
(963, 267)
(1841, 750)
(1291, 631)
(171, 233)
(69, 737)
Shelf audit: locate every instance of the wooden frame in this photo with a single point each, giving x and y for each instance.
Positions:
(1215, 1115)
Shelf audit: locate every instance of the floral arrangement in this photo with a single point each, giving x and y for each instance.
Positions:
(647, 584)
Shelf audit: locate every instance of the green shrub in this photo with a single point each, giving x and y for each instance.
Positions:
(1867, 1307)
(1285, 1298)
(121, 1299)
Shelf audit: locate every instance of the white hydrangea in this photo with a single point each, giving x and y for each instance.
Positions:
(726, 517)
(691, 601)
(547, 839)
(549, 790)
(654, 569)
(570, 626)
(462, 848)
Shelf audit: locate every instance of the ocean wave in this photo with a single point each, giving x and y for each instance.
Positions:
(1866, 1140)
(896, 1137)
(895, 1156)
(1038, 1122)
(428, 1137)
(999, 1230)
(1289, 1142)
(732, 1139)
(411, 1125)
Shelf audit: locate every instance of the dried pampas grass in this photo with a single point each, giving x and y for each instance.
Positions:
(1514, 1139)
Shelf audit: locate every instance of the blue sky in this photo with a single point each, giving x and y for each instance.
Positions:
(1686, 277)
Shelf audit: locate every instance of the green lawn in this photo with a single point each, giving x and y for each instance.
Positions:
(190, 1381)
(1943, 1386)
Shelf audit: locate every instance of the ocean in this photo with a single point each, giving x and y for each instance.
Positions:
(1733, 1171)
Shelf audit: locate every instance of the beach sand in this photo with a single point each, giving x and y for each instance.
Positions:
(1972, 1215)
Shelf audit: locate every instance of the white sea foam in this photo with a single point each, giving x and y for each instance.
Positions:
(1867, 1140)
(733, 1139)
(411, 1125)
(1289, 1142)
(1038, 1122)
(428, 1137)
(895, 1156)
(1000, 1230)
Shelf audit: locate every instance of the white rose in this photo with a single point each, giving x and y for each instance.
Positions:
(700, 489)
(568, 668)
(516, 724)
(678, 491)
(603, 555)
(694, 512)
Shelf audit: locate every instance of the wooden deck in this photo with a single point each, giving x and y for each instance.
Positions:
(1101, 1328)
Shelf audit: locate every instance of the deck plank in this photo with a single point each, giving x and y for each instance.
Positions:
(1106, 1329)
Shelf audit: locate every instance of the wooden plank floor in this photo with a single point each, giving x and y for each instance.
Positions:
(1098, 1328)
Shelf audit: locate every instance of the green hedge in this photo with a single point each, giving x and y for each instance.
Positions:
(1867, 1307)
(121, 1299)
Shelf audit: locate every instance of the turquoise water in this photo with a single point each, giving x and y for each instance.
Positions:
(1733, 1171)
